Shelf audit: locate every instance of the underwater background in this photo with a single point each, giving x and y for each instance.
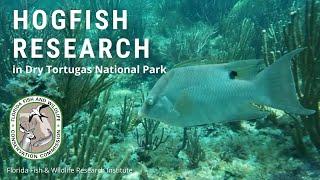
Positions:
(102, 128)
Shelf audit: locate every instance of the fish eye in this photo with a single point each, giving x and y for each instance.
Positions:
(150, 101)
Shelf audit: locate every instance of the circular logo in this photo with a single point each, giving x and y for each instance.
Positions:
(35, 127)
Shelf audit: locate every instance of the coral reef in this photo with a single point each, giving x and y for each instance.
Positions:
(149, 140)
(194, 150)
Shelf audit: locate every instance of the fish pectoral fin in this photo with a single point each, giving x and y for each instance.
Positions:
(184, 104)
(244, 69)
(170, 106)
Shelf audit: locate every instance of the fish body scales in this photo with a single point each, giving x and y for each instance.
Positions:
(212, 94)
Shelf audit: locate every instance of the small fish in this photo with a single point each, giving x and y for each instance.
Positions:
(206, 94)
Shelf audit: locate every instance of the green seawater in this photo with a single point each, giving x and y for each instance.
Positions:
(104, 137)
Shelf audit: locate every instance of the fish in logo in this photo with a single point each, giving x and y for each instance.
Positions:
(206, 94)
(35, 127)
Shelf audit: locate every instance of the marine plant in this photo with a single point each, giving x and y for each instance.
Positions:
(149, 140)
(211, 11)
(238, 42)
(29, 84)
(89, 89)
(123, 124)
(194, 150)
(190, 43)
(301, 31)
(184, 142)
(90, 141)
(261, 12)
(192, 147)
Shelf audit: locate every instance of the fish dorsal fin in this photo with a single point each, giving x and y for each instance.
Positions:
(244, 69)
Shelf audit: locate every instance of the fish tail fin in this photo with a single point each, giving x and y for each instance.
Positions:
(278, 86)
